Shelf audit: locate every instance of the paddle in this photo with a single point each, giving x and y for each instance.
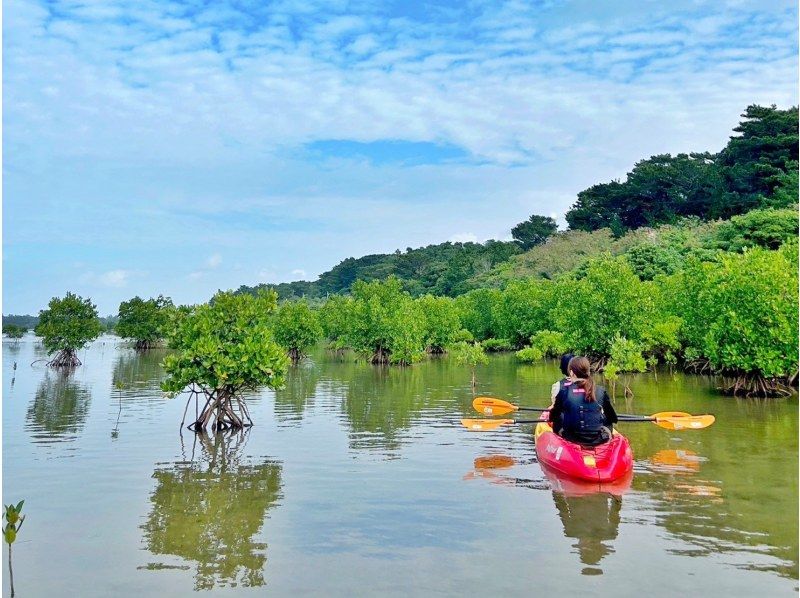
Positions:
(667, 420)
(490, 406)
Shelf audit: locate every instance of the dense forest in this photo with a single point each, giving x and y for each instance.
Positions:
(758, 168)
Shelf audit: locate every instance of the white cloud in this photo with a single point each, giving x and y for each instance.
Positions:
(214, 261)
(300, 273)
(118, 278)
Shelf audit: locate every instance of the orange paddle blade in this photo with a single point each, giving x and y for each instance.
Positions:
(691, 422)
(484, 425)
(490, 406)
(494, 462)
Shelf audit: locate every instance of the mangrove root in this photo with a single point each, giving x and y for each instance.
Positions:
(66, 358)
(223, 409)
(755, 385)
(380, 357)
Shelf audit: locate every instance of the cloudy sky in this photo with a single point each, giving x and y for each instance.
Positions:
(180, 147)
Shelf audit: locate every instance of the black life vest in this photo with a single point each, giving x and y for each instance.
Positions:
(582, 420)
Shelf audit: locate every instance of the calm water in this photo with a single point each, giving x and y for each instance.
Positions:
(359, 481)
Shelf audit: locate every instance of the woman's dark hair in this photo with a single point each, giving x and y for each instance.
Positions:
(582, 369)
(565, 359)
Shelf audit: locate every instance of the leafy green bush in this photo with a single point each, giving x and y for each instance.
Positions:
(297, 328)
(529, 354)
(14, 331)
(478, 312)
(440, 321)
(495, 345)
(549, 343)
(524, 309)
(144, 321)
(741, 314)
(66, 326)
(609, 300)
(385, 323)
(757, 228)
(222, 349)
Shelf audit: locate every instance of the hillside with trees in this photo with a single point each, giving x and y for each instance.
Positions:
(690, 193)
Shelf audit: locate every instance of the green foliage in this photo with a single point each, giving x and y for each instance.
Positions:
(225, 345)
(545, 343)
(758, 228)
(549, 343)
(470, 354)
(14, 331)
(478, 311)
(534, 231)
(787, 184)
(296, 327)
(14, 520)
(442, 269)
(529, 354)
(524, 309)
(626, 355)
(741, 313)
(68, 324)
(609, 300)
(335, 316)
(756, 160)
(495, 345)
(385, 323)
(658, 190)
(144, 321)
(562, 253)
(648, 260)
(757, 167)
(463, 335)
(440, 320)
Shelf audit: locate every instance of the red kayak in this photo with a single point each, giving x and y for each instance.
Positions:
(604, 463)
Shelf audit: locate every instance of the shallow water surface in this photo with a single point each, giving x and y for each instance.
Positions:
(359, 480)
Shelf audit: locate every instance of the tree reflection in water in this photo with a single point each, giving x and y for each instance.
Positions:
(59, 408)
(210, 509)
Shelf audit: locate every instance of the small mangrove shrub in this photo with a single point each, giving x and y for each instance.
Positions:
(68, 324)
(470, 354)
(223, 349)
(144, 321)
(297, 328)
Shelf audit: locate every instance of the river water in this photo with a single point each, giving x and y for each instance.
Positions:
(358, 480)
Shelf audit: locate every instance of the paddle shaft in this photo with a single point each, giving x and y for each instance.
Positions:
(627, 419)
(620, 416)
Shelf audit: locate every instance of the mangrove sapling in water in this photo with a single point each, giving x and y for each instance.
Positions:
(67, 325)
(223, 349)
(470, 354)
(13, 524)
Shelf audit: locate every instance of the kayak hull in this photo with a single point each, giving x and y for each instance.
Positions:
(600, 464)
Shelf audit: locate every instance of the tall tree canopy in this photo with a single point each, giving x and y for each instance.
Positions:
(534, 231)
(758, 167)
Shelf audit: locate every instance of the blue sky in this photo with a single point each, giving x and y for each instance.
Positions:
(182, 147)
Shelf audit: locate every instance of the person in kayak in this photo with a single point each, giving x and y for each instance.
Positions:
(559, 384)
(582, 412)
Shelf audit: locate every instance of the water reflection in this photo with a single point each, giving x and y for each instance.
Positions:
(381, 404)
(138, 375)
(592, 520)
(298, 391)
(59, 408)
(210, 509)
